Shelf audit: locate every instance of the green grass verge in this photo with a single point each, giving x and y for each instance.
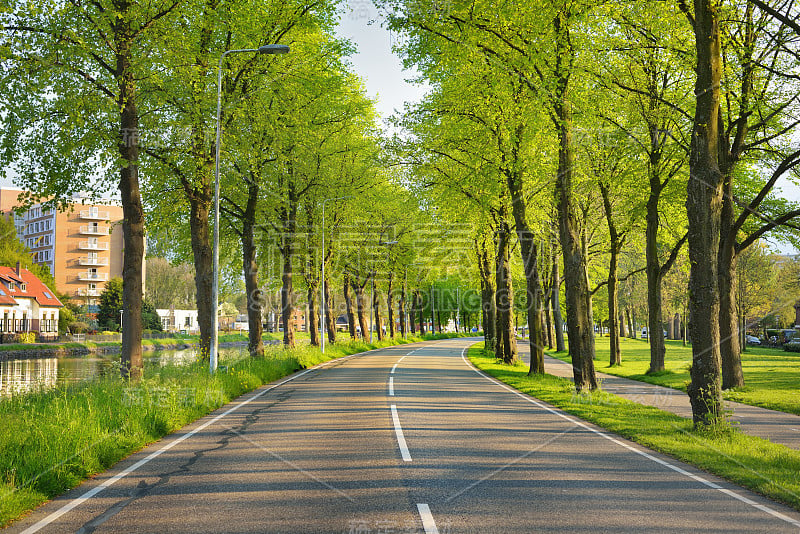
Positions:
(166, 342)
(51, 441)
(767, 468)
(772, 376)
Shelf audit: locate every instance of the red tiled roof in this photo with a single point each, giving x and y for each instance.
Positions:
(34, 288)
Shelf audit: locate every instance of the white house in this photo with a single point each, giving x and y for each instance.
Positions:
(27, 304)
(179, 320)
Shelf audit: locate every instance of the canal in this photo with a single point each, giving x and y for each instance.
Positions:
(21, 376)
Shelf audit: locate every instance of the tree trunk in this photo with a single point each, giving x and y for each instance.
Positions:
(631, 330)
(330, 316)
(703, 206)
(313, 317)
(133, 222)
(653, 267)
(433, 309)
(530, 254)
(615, 357)
(361, 307)
(730, 346)
(579, 310)
(376, 310)
(401, 310)
(351, 317)
(250, 268)
(418, 300)
(390, 306)
(506, 344)
(414, 307)
(549, 324)
(289, 224)
(555, 304)
(488, 307)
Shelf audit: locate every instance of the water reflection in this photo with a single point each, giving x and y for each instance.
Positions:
(24, 376)
(27, 375)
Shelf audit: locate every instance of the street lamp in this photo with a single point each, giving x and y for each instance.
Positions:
(322, 284)
(266, 49)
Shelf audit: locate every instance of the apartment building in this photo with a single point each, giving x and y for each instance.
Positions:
(82, 246)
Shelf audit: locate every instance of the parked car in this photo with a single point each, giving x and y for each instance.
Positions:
(752, 340)
(644, 333)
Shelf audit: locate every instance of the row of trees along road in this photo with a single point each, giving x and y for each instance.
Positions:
(670, 119)
(579, 134)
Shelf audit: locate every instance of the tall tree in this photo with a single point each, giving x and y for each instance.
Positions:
(704, 205)
(83, 63)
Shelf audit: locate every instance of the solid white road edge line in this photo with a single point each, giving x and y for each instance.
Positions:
(97, 489)
(427, 519)
(666, 464)
(401, 440)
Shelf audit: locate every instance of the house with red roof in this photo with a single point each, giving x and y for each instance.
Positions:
(27, 304)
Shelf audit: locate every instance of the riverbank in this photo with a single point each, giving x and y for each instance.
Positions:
(22, 351)
(53, 440)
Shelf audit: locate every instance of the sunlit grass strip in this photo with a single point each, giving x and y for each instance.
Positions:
(764, 467)
(51, 441)
(772, 376)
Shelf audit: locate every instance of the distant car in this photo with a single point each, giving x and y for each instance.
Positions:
(752, 340)
(644, 333)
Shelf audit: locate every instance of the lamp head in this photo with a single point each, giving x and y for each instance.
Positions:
(273, 49)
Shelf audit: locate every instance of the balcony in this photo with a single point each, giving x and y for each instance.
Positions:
(94, 230)
(88, 245)
(93, 262)
(93, 277)
(88, 292)
(95, 215)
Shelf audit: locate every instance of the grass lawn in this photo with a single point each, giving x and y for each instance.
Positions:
(771, 376)
(767, 468)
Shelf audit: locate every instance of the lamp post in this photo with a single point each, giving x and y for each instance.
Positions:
(266, 49)
(120, 321)
(322, 283)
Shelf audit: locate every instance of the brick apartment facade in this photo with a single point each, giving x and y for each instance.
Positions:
(83, 246)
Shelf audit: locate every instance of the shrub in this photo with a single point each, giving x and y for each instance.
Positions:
(28, 337)
(78, 327)
(793, 346)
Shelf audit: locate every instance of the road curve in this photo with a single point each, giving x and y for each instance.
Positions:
(403, 439)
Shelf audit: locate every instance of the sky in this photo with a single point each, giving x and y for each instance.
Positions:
(381, 70)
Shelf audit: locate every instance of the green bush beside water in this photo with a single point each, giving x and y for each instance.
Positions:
(52, 441)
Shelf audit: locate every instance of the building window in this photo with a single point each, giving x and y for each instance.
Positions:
(188, 320)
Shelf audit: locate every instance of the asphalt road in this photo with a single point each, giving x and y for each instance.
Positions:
(406, 439)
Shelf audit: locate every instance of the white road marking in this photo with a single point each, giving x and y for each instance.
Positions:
(391, 386)
(97, 489)
(401, 440)
(666, 464)
(398, 362)
(427, 519)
